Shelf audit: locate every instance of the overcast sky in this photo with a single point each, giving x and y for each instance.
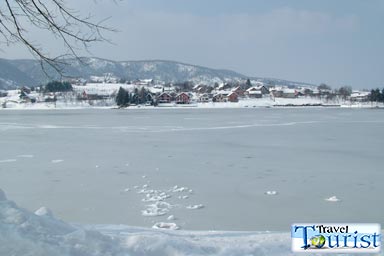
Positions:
(337, 42)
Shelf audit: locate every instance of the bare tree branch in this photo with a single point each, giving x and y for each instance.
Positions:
(52, 16)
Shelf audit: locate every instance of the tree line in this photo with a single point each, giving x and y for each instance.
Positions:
(377, 95)
(57, 86)
(125, 98)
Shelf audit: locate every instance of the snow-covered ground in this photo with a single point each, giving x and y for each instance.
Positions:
(40, 233)
(109, 90)
(23, 233)
(14, 103)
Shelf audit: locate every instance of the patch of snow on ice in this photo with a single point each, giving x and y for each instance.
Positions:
(176, 189)
(271, 193)
(56, 161)
(332, 199)
(44, 211)
(8, 160)
(25, 156)
(171, 217)
(195, 207)
(165, 225)
(156, 209)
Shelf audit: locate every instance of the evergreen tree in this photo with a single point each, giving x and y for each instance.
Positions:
(248, 84)
(142, 95)
(375, 95)
(382, 95)
(122, 97)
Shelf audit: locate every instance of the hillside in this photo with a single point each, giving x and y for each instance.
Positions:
(15, 73)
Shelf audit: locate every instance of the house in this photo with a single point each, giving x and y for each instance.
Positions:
(201, 88)
(220, 97)
(27, 97)
(263, 89)
(276, 92)
(224, 87)
(25, 89)
(305, 91)
(204, 97)
(94, 95)
(359, 96)
(49, 97)
(226, 96)
(255, 94)
(233, 97)
(183, 98)
(144, 82)
(256, 91)
(149, 99)
(164, 98)
(239, 91)
(289, 93)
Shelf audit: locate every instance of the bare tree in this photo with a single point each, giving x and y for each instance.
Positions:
(54, 16)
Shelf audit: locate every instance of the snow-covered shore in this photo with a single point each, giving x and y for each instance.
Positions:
(40, 233)
(243, 103)
(23, 233)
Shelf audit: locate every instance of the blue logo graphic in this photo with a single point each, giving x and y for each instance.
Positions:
(336, 237)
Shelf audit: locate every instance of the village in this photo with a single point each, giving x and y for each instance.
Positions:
(102, 91)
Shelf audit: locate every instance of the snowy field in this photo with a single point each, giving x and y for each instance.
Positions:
(250, 171)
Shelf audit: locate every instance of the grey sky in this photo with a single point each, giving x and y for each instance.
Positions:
(336, 42)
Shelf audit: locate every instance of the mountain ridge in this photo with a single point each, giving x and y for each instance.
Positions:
(15, 73)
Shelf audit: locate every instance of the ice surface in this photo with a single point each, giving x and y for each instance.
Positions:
(229, 169)
(2, 195)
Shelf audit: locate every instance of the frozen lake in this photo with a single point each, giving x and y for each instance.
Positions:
(89, 165)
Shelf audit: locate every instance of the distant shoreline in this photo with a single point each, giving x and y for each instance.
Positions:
(221, 105)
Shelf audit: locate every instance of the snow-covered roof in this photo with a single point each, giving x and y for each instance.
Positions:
(255, 92)
(288, 90)
(254, 88)
(359, 94)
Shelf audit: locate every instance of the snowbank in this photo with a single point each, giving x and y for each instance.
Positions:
(23, 233)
